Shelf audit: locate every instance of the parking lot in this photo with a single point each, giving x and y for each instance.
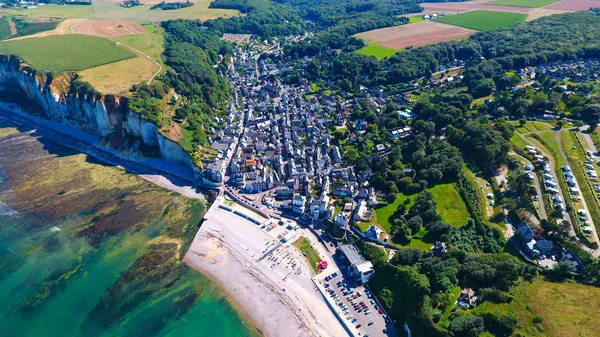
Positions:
(356, 306)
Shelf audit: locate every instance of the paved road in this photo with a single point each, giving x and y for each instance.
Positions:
(537, 186)
(553, 172)
(590, 142)
(583, 202)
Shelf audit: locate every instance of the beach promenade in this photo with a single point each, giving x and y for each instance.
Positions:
(270, 282)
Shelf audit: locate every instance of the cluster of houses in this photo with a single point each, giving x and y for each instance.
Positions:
(280, 141)
(575, 71)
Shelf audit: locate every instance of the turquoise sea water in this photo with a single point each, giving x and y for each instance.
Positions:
(55, 281)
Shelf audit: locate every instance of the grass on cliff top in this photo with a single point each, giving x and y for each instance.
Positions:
(550, 309)
(61, 53)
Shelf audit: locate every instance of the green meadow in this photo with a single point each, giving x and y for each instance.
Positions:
(379, 52)
(483, 20)
(61, 53)
(450, 205)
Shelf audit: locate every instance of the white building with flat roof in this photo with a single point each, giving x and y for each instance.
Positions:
(359, 268)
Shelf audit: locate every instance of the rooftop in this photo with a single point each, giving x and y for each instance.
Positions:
(352, 254)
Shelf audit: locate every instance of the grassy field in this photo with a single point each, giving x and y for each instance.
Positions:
(4, 28)
(379, 52)
(576, 157)
(417, 241)
(66, 52)
(151, 43)
(309, 252)
(532, 126)
(548, 143)
(111, 10)
(483, 20)
(565, 309)
(450, 205)
(385, 213)
(119, 77)
(522, 3)
(414, 19)
(53, 11)
(518, 142)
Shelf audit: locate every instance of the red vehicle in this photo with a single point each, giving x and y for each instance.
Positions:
(380, 311)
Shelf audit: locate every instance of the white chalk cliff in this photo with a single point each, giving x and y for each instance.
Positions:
(83, 109)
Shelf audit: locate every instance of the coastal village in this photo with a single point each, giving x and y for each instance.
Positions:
(277, 160)
(366, 168)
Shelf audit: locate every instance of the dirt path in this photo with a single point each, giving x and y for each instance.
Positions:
(145, 55)
(63, 28)
(13, 27)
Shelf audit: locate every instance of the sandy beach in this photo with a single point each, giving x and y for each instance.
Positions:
(278, 300)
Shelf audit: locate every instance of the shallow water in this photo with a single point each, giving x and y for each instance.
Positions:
(87, 250)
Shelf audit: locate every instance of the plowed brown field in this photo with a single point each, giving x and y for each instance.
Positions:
(415, 34)
(108, 28)
(575, 5)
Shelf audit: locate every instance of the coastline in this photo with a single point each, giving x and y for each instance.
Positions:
(228, 250)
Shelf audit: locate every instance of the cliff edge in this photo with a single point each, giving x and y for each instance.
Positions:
(62, 98)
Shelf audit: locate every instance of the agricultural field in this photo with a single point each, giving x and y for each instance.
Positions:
(107, 28)
(63, 27)
(574, 5)
(523, 3)
(541, 12)
(484, 20)
(61, 53)
(559, 308)
(415, 19)
(414, 35)
(312, 257)
(110, 9)
(450, 205)
(461, 7)
(379, 52)
(53, 11)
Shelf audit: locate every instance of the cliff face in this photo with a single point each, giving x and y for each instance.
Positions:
(59, 99)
